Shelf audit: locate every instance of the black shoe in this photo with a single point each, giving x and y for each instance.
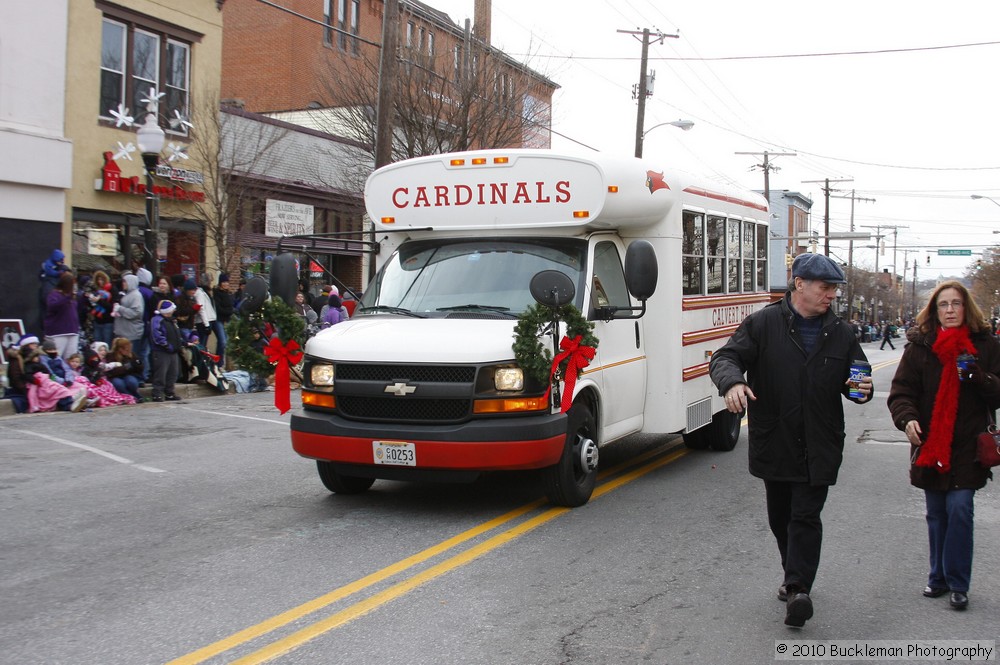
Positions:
(157, 398)
(959, 600)
(934, 592)
(172, 398)
(800, 608)
(783, 593)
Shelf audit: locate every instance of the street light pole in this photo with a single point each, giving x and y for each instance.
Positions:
(980, 196)
(151, 137)
(680, 124)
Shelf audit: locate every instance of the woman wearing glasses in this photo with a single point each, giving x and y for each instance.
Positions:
(942, 408)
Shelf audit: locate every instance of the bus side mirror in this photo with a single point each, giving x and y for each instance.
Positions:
(640, 269)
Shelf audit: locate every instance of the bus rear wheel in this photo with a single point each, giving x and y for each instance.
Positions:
(722, 434)
(336, 482)
(571, 481)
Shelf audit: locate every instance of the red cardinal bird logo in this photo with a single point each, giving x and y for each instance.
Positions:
(654, 181)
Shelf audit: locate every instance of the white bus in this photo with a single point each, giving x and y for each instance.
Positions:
(422, 382)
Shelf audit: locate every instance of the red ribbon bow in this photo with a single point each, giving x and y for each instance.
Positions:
(282, 356)
(579, 357)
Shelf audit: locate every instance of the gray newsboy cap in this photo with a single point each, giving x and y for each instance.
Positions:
(817, 266)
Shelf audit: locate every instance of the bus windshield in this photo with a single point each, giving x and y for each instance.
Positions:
(475, 277)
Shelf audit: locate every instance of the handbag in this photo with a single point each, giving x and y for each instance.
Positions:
(988, 446)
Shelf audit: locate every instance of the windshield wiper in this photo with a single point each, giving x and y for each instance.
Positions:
(479, 308)
(391, 310)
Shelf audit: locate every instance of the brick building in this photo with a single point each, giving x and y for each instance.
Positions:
(316, 65)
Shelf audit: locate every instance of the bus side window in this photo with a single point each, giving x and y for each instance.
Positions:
(609, 278)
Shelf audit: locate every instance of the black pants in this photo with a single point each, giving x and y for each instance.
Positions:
(886, 340)
(793, 512)
(164, 372)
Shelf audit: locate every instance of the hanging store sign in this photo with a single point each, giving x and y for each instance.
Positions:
(284, 218)
(111, 180)
(102, 242)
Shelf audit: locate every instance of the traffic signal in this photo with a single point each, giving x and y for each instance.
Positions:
(928, 259)
(979, 264)
(789, 260)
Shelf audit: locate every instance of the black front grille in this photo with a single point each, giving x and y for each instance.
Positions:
(425, 373)
(423, 410)
(361, 392)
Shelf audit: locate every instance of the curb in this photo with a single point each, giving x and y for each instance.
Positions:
(182, 390)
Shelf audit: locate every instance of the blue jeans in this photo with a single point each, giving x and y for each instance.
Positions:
(949, 530)
(219, 330)
(104, 332)
(140, 348)
(127, 385)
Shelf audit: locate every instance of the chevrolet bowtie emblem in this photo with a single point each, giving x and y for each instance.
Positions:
(400, 389)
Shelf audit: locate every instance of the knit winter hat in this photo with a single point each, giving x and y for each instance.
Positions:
(96, 346)
(27, 339)
(49, 345)
(223, 277)
(166, 306)
(189, 285)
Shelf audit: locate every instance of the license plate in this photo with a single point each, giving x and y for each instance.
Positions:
(396, 453)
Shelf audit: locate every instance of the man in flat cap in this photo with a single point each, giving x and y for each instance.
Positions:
(796, 356)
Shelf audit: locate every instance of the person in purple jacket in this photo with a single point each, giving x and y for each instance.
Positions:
(62, 319)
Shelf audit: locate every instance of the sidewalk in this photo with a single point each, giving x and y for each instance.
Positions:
(182, 390)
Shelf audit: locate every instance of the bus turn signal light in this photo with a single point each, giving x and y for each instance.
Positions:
(324, 400)
(510, 405)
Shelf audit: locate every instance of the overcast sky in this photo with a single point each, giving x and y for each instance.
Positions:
(913, 123)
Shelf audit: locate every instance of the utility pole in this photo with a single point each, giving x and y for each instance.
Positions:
(643, 88)
(850, 252)
(767, 167)
(878, 249)
(826, 215)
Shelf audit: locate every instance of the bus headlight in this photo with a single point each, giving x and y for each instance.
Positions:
(322, 375)
(508, 378)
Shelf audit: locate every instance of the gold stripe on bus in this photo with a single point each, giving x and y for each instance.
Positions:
(591, 370)
(698, 336)
(698, 191)
(695, 371)
(706, 302)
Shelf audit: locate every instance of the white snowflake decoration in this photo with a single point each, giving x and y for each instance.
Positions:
(124, 151)
(176, 152)
(122, 116)
(152, 100)
(179, 121)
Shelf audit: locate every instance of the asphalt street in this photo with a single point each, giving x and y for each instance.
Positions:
(190, 532)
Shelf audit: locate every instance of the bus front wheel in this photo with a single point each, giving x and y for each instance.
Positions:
(336, 482)
(571, 481)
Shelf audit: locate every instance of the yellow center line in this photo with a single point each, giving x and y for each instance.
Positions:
(361, 608)
(296, 613)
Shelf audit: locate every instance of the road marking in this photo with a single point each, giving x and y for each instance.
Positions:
(235, 415)
(91, 449)
(403, 587)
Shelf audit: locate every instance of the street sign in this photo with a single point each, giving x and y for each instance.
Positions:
(954, 252)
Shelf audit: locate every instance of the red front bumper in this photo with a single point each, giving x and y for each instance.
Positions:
(464, 455)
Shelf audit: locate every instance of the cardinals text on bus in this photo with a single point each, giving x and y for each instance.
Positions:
(493, 193)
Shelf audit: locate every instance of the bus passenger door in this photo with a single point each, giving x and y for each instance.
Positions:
(620, 364)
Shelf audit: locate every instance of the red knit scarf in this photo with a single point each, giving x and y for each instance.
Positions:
(936, 451)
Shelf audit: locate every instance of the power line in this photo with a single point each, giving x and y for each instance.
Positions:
(777, 56)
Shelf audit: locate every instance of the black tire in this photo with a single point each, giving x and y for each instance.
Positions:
(336, 482)
(722, 434)
(568, 483)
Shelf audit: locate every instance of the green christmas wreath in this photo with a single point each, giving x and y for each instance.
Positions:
(533, 357)
(241, 329)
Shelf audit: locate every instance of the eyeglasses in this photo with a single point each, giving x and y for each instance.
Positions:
(954, 304)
